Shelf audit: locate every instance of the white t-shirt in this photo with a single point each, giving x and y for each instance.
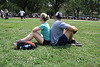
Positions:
(21, 13)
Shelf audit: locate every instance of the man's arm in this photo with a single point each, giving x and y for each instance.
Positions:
(72, 28)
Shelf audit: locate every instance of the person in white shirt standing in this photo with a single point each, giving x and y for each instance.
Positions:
(2, 14)
(22, 14)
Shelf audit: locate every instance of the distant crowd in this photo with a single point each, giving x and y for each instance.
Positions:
(4, 14)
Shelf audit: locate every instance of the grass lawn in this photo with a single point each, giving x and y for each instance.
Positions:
(47, 56)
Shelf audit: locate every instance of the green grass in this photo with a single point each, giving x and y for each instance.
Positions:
(47, 56)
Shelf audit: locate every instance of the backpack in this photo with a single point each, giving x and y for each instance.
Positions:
(25, 45)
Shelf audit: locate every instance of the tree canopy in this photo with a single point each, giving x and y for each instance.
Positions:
(69, 7)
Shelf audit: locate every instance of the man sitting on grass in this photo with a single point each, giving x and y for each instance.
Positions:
(62, 33)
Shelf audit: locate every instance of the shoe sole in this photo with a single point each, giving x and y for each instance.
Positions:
(77, 44)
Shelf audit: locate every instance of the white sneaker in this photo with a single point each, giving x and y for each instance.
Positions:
(14, 43)
(77, 44)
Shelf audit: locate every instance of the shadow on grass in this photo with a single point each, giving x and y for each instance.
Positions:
(55, 47)
(62, 46)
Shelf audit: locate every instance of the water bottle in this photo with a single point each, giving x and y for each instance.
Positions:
(26, 46)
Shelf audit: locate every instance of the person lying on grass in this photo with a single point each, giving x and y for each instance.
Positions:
(62, 33)
(45, 31)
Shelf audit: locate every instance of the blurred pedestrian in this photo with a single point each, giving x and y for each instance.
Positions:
(2, 14)
(22, 13)
(6, 14)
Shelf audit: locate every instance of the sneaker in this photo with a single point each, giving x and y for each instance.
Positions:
(14, 43)
(74, 42)
(77, 44)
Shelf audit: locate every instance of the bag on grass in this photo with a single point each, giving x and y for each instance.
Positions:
(25, 45)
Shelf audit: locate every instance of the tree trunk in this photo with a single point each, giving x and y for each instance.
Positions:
(74, 14)
(77, 12)
(56, 9)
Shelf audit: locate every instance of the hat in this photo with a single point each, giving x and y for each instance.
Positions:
(59, 15)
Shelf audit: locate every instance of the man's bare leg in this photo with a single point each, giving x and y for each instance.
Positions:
(69, 34)
(71, 37)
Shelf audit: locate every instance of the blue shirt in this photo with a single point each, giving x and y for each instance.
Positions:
(45, 31)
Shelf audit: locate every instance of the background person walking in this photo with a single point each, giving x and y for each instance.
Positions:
(22, 14)
(6, 14)
(2, 14)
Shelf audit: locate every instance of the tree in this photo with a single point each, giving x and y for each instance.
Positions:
(20, 3)
(98, 7)
(56, 4)
(30, 6)
(75, 6)
(90, 6)
(70, 7)
(2, 2)
(36, 6)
